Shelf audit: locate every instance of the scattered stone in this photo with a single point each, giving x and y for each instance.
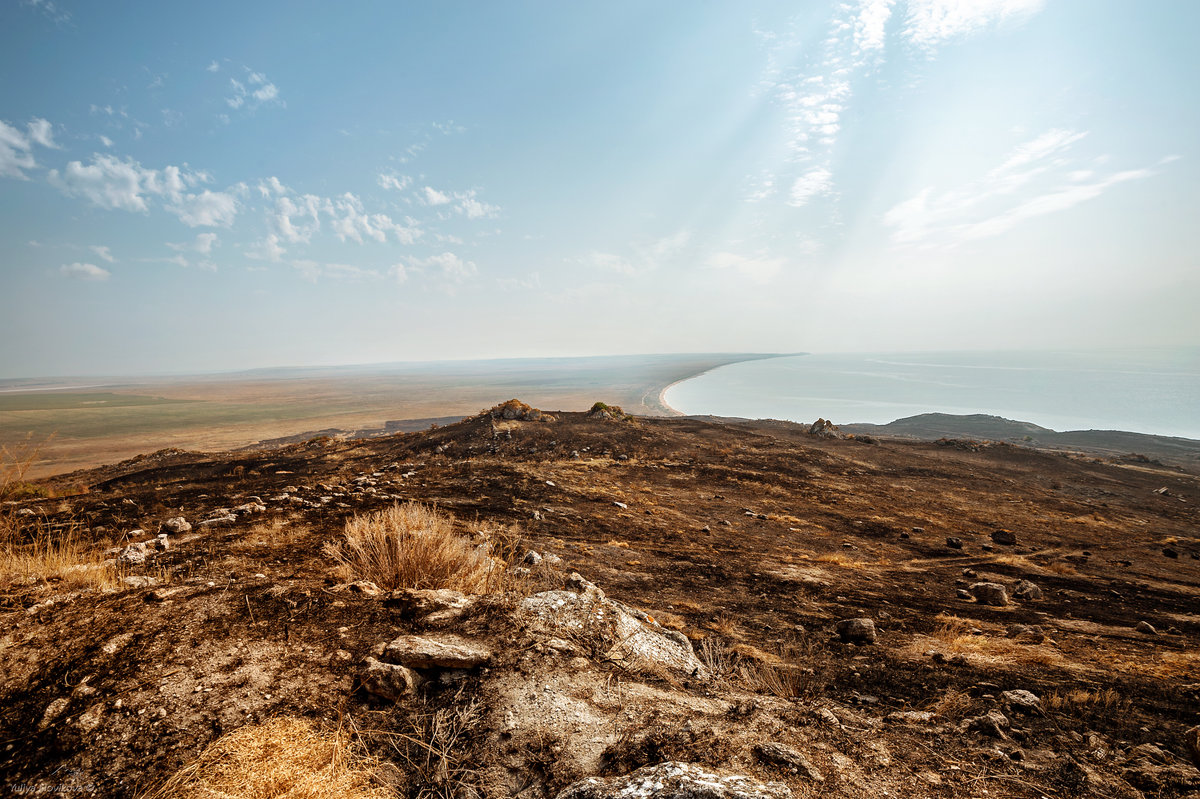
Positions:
(788, 757)
(138, 581)
(1146, 627)
(162, 543)
(992, 723)
(621, 505)
(250, 507)
(449, 652)
(1025, 633)
(363, 587)
(969, 573)
(911, 717)
(434, 606)
(387, 680)
(224, 518)
(856, 631)
(965, 594)
(954, 543)
(134, 554)
(550, 559)
(1005, 538)
(1027, 591)
(1022, 701)
(1170, 552)
(53, 711)
(161, 594)
(989, 594)
(532, 558)
(1191, 740)
(176, 525)
(675, 780)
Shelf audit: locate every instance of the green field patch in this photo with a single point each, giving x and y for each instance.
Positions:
(66, 400)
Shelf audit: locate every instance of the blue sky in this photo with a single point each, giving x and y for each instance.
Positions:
(227, 185)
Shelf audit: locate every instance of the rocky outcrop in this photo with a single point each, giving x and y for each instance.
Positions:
(674, 780)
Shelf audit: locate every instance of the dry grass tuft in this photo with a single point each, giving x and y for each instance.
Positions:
(413, 546)
(285, 757)
(954, 637)
(953, 705)
(55, 556)
(1083, 698)
(434, 747)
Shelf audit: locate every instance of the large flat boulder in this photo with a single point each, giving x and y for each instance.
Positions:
(441, 652)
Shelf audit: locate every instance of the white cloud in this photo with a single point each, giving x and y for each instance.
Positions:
(41, 133)
(107, 182)
(472, 208)
(103, 252)
(206, 209)
(107, 142)
(435, 197)
(758, 269)
(932, 22)
(15, 153)
(448, 265)
(213, 67)
(398, 272)
(870, 26)
(1038, 177)
(396, 182)
(269, 249)
(203, 244)
(259, 92)
(51, 10)
(271, 186)
(814, 182)
(307, 207)
(79, 271)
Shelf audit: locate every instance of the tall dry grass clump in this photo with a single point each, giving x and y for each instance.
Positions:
(412, 546)
(51, 555)
(285, 757)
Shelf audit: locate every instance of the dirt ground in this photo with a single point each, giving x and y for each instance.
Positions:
(751, 539)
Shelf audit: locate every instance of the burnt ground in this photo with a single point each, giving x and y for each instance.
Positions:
(752, 539)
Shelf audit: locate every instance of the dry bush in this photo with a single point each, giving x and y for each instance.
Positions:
(413, 546)
(52, 556)
(727, 627)
(434, 747)
(953, 705)
(782, 680)
(285, 757)
(15, 461)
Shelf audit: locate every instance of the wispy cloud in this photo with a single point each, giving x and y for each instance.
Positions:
(813, 183)
(756, 268)
(394, 182)
(1037, 177)
(103, 252)
(313, 271)
(84, 271)
(16, 147)
(930, 23)
(448, 266)
(252, 92)
(50, 9)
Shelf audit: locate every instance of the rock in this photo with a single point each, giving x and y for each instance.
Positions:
(176, 525)
(992, 723)
(1026, 591)
(447, 652)
(609, 630)
(250, 507)
(53, 711)
(963, 593)
(989, 594)
(1146, 627)
(387, 680)
(134, 554)
(138, 581)
(162, 543)
(823, 428)
(621, 505)
(1005, 538)
(910, 717)
(675, 780)
(224, 518)
(532, 558)
(575, 582)
(788, 757)
(1025, 633)
(550, 559)
(364, 587)
(856, 631)
(1191, 740)
(954, 543)
(1022, 701)
(1170, 552)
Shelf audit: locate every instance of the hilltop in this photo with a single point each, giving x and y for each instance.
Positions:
(816, 612)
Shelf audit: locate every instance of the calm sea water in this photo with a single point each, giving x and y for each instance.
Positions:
(1143, 391)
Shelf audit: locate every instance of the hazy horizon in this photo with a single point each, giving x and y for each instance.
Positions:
(221, 188)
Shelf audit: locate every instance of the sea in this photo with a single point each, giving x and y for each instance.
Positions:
(1153, 391)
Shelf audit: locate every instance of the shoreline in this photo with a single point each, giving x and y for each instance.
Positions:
(672, 411)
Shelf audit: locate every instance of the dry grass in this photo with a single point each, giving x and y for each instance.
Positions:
(1082, 698)
(413, 546)
(433, 747)
(56, 556)
(954, 637)
(953, 705)
(285, 757)
(274, 533)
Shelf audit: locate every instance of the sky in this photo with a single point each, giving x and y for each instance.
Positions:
(193, 187)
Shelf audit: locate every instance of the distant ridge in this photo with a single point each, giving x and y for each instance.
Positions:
(1114, 443)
